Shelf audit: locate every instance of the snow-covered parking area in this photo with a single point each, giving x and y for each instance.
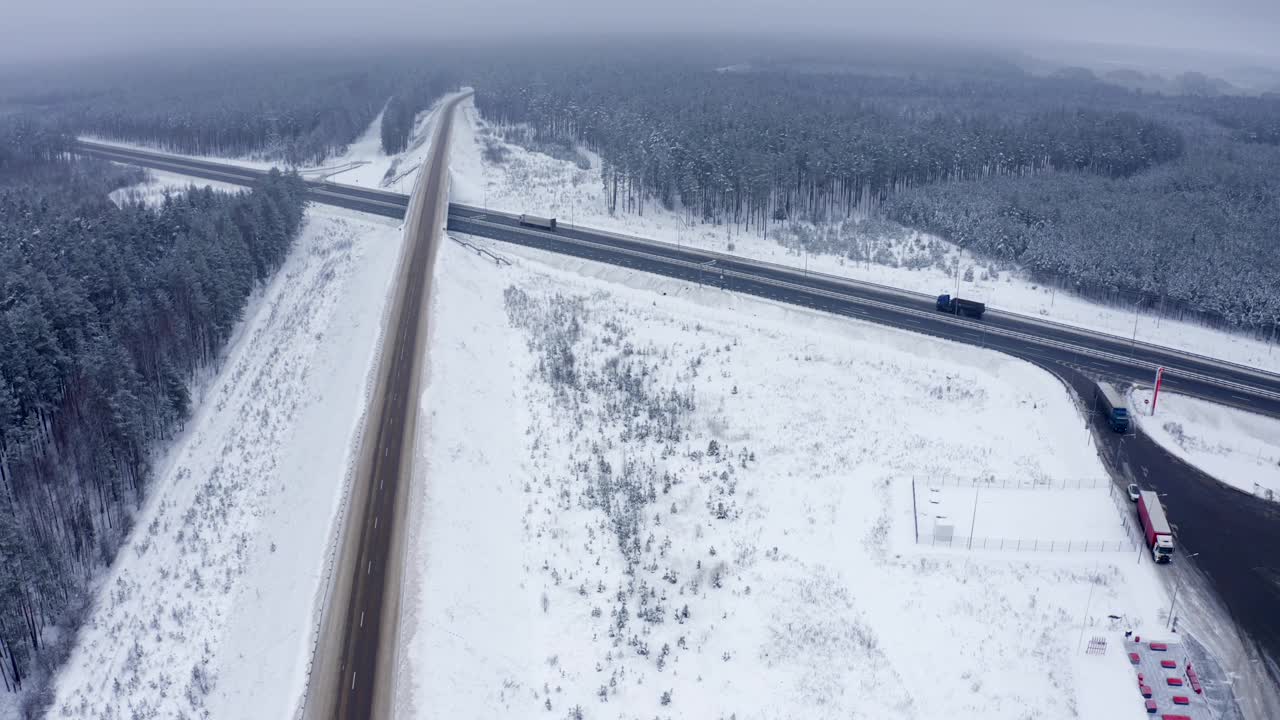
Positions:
(208, 609)
(644, 499)
(1239, 448)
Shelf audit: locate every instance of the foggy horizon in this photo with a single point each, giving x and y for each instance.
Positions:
(1242, 29)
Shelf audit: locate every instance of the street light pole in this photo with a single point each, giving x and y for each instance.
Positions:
(1176, 586)
(1133, 344)
(973, 522)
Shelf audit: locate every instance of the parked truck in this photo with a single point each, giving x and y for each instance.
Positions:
(538, 222)
(960, 306)
(1155, 526)
(1109, 401)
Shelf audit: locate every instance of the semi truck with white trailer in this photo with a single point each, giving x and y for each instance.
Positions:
(1155, 527)
(538, 222)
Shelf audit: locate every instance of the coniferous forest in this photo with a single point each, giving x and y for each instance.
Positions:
(297, 109)
(1156, 199)
(106, 315)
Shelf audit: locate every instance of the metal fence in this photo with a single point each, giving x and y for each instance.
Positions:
(947, 539)
(965, 542)
(1020, 483)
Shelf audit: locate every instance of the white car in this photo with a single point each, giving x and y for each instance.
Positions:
(1133, 492)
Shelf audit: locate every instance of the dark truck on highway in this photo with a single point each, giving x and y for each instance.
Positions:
(538, 222)
(959, 306)
(1111, 404)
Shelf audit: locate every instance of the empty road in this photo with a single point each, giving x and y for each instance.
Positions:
(353, 666)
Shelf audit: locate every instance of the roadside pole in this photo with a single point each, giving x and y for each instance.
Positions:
(973, 521)
(1176, 586)
(915, 512)
(1133, 344)
(1084, 620)
(1155, 395)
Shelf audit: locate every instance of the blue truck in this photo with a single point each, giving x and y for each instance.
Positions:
(1114, 409)
(958, 306)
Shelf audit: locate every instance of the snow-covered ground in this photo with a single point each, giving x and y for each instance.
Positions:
(1239, 448)
(208, 611)
(365, 164)
(533, 182)
(639, 498)
(160, 183)
(1050, 518)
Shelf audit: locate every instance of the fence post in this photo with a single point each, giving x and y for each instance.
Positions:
(915, 514)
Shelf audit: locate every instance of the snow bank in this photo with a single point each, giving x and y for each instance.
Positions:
(642, 498)
(512, 179)
(207, 611)
(1239, 448)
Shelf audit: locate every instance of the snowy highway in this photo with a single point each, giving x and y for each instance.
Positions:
(1027, 337)
(1242, 579)
(355, 653)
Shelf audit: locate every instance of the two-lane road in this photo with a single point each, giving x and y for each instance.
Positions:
(355, 654)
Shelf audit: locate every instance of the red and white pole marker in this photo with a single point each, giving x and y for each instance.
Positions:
(1156, 395)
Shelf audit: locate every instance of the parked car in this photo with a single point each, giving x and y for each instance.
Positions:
(1134, 492)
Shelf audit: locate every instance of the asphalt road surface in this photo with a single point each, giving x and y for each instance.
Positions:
(354, 663)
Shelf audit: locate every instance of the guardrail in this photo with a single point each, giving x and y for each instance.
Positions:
(480, 251)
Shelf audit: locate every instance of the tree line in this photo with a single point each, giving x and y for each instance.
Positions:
(106, 315)
(295, 110)
(419, 91)
(751, 147)
(1105, 189)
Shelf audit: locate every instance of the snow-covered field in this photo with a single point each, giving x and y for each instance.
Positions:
(533, 182)
(1239, 448)
(639, 498)
(208, 609)
(160, 183)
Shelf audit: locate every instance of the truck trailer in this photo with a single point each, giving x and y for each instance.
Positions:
(1108, 400)
(1155, 526)
(538, 222)
(960, 306)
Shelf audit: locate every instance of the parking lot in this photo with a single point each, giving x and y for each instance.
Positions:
(1167, 679)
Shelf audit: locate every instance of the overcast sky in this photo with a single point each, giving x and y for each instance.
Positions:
(35, 30)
